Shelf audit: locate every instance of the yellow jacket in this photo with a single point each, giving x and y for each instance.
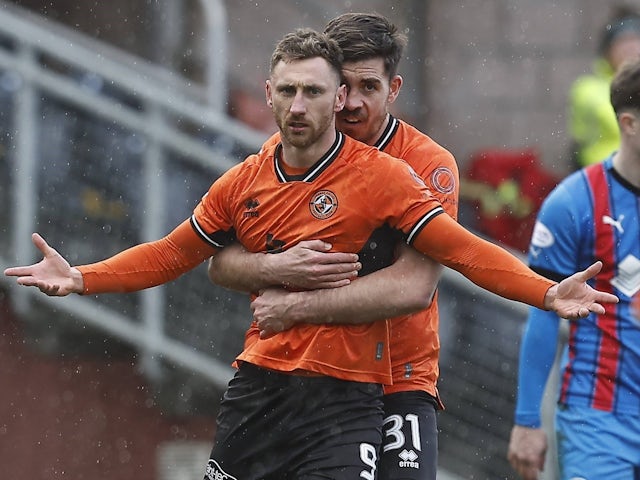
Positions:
(592, 122)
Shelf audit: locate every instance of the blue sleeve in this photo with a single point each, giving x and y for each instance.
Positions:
(537, 354)
(554, 243)
(557, 235)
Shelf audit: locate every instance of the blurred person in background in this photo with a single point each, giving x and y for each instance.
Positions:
(294, 392)
(372, 47)
(592, 123)
(501, 193)
(593, 214)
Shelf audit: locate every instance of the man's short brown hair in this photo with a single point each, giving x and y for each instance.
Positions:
(625, 88)
(363, 36)
(305, 43)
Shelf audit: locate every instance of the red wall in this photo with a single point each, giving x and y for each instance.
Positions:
(79, 418)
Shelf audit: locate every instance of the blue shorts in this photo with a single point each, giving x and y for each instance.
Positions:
(594, 445)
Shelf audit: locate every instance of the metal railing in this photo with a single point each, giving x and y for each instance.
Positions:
(72, 107)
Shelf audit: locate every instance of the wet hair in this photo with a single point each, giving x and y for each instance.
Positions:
(363, 36)
(624, 20)
(625, 88)
(305, 43)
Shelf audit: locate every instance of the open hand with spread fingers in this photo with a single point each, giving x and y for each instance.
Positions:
(52, 275)
(573, 298)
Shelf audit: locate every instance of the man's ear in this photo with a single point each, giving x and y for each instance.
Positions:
(267, 92)
(394, 88)
(629, 123)
(341, 98)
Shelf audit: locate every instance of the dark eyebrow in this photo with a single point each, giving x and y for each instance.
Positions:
(305, 87)
(315, 87)
(370, 80)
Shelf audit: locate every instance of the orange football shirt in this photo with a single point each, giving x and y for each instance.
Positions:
(414, 339)
(339, 199)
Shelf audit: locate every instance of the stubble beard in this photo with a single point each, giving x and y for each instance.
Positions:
(307, 139)
(358, 130)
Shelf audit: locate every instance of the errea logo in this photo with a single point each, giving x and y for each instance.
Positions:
(214, 472)
(408, 459)
(251, 205)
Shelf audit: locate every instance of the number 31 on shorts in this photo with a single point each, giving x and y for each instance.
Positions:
(393, 428)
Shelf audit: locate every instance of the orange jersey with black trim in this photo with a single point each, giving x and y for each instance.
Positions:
(414, 340)
(338, 200)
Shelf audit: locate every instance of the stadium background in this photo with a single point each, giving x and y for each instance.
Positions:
(110, 387)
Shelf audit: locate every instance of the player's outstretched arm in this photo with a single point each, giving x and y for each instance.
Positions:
(52, 275)
(307, 265)
(495, 269)
(141, 266)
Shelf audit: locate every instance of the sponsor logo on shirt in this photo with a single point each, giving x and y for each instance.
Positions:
(617, 224)
(443, 180)
(251, 205)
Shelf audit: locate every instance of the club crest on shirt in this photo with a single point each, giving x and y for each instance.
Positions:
(323, 204)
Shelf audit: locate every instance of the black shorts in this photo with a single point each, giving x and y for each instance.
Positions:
(410, 445)
(273, 426)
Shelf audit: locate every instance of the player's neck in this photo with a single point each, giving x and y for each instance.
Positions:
(305, 157)
(383, 126)
(627, 163)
